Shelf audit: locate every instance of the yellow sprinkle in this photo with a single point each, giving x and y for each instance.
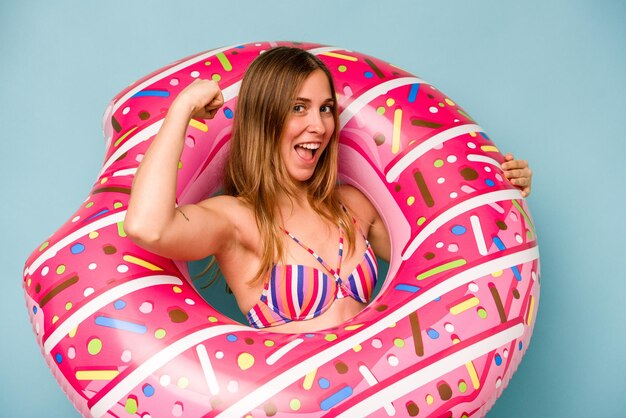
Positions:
(397, 126)
(489, 148)
(455, 341)
(245, 361)
(357, 348)
(212, 319)
(55, 318)
(268, 343)
(198, 125)
(450, 102)
(141, 263)
(183, 382)
(96, 374)
(353, 327)
(68, 306)
(120, 229)
(530, 310)
(295, 404)
(430, 399)
(392, 325)
(473, 375)
(410, 200)
(104, 180)
(421, 220)
(117, 205)
(473, 134)
(121, 138)
(390, 102)
(465, 305)
(94, 346)
(497, 273)
(28, 282)
(72, 332)
(177, 289)
(160, 333)
(93, 234)
(308, 379)
(61, 269)
(340, 56)
(330, 337)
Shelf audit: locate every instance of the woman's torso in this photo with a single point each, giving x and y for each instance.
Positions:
(240, 262)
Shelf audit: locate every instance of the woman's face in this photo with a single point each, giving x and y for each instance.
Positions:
(308, 128)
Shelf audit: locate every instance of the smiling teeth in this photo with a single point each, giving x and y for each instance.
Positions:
(309, 146)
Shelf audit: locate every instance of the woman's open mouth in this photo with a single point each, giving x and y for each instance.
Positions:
(307, 150)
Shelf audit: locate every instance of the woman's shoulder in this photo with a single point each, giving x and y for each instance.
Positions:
(228, 207)
(356, 202)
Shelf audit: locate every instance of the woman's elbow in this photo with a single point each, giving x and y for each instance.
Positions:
(141, 233)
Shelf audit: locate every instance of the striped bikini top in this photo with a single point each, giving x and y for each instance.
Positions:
(296, 292)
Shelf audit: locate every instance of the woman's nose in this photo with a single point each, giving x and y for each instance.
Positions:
(316, 124)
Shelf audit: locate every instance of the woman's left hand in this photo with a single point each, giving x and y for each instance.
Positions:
(518, 172)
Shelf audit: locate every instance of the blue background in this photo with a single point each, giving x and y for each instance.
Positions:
(546, 79)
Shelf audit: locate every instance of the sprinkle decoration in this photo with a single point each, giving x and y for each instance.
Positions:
(125, 332)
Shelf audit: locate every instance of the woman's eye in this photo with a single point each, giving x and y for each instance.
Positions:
(326, 109)
(298, 108)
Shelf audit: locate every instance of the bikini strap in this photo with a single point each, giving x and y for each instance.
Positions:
(332, 271)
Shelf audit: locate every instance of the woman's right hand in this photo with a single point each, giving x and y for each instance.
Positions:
(202, 99)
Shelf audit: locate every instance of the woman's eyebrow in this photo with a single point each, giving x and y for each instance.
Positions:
(304, 99)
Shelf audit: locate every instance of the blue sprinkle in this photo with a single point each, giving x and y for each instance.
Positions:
(498, 360)
(324, 383)
(490, 183)
(437, 299)
(232, 338)
(407, 288)
(152, 93)
(59, 358)
(119, 304)
(413, 92)
(432, 333)
(335, 398)
(499, 243)
(240, 47)
(458, 229)
(516, 273)
(105, 321)
(148, 390)
(35, 310)
(309, 335)
(368, 74)
(520, 345)
(102, 212)
(77, 248)
(228, 113)
(484, 135)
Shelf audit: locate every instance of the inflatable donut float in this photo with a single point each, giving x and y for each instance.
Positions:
(126, 334)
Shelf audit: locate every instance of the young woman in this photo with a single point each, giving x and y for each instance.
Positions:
(296, 249)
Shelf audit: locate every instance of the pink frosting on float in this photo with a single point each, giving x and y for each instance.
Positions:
(125, 332)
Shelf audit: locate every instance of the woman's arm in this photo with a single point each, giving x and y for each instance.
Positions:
(369, 220)
(152, 220)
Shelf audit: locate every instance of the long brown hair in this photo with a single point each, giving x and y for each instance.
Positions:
(255, 171)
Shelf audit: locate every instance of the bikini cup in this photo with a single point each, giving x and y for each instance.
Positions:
(297, 292)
